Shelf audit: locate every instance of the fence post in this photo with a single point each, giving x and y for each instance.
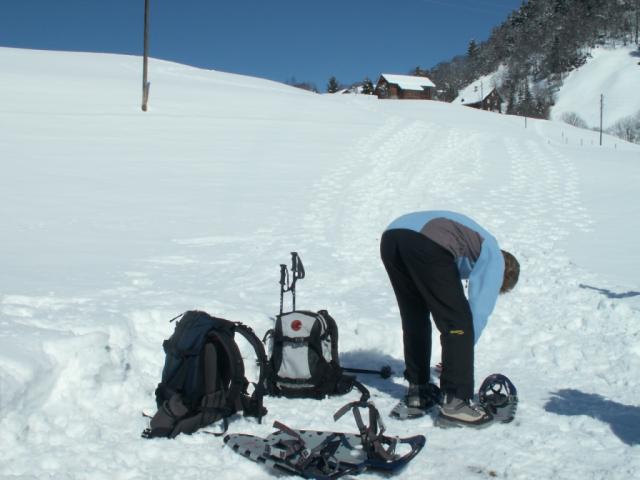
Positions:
(601, 109)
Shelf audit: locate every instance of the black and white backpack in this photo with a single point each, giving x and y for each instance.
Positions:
(203, 379)
(304, 359)
(303, 349)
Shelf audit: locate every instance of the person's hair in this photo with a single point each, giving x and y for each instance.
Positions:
(511, 272)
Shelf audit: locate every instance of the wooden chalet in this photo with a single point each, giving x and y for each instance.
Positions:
(404, 87)
(481, 97)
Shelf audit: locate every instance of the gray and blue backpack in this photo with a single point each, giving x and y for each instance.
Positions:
(203, 379)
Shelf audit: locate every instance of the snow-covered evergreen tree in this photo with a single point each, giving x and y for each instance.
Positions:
(367, 86)
(333, 86)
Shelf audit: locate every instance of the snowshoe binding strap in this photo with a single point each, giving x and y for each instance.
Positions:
(320, 456)
(287, 448)
(345, 384)
(380, 449)
(371, 435)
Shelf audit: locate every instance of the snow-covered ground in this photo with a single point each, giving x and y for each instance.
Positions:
(114, 221)
(613, 73)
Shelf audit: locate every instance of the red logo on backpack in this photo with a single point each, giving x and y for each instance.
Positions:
(296, 325)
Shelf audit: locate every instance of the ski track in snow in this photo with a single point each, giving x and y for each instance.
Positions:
(556, 329)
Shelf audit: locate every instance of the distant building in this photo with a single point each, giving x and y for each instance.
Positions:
(404, 87)
(353, 89)
(480, 95)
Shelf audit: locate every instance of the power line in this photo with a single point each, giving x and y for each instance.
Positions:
(488, 8)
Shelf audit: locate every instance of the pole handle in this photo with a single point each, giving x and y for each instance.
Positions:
(284, 280)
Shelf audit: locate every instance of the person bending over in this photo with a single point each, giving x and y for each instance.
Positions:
(426, 255)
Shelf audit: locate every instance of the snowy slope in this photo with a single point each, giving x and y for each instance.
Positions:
(114, 221)
(614, 73)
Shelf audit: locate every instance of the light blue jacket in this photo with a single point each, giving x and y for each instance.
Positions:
(485, 273)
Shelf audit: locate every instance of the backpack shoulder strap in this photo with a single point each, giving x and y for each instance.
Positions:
(332, 328)
(253, 405)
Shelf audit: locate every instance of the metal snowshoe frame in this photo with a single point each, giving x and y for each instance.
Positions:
(327, 455)
(499, 396)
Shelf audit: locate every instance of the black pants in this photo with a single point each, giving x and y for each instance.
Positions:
(426, 281)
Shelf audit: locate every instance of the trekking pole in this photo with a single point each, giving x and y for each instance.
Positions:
(297, 269)
(284, 280)
(384, 372)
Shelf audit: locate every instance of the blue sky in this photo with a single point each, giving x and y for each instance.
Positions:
(275, 39)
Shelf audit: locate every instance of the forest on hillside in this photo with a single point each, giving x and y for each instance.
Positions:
(538, 44)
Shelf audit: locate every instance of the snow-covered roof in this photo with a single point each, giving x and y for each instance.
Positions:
(476, 91)
(408, 82)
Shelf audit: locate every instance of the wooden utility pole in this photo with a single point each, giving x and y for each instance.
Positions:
(601, 109)
(145, 61)
(637, 19)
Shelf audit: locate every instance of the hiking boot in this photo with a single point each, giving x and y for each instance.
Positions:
(419, 401)
(456, 412)
(422, 396)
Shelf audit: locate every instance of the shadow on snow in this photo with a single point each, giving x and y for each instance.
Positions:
(624, 420)
(609, 293)
(373, 360)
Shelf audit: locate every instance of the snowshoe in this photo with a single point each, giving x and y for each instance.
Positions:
(419, 401)
(328, 455)
(498, 395)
